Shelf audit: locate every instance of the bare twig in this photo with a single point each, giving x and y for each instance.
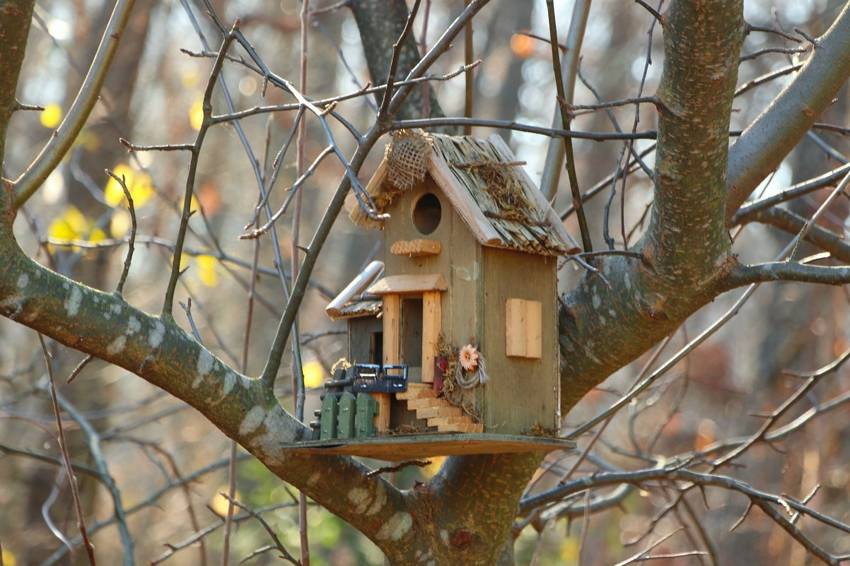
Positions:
(66, 458)
(128, 260)
(279, 545)
(397, 467)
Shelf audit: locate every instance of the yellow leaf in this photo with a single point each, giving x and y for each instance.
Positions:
(431, 469)
(72, 225)
(314, 374)
(206, 270)
(88, 140)
(113, 193)
(96, 235)
(569, 551)
(190, 78)
(51, 116)
(219, 503)
(120, 224)
(138, 183)
(196, 114)
(8, 558)
(142, 189)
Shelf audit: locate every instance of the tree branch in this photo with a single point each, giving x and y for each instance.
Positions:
(747, 213)
(793, 223)
(381, 23)
(569, 69)
(789, 271)
(604, 325)
(63, 138)
(104, 325)
(15, 18)
(766, 142)
(686, 237)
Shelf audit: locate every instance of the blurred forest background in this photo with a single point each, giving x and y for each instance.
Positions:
(155, 443)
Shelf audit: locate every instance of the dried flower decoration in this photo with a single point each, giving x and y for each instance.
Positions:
(469, 358)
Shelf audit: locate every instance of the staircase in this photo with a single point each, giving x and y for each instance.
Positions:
(438, 412)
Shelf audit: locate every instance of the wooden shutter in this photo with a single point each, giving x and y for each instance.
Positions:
(524, 329)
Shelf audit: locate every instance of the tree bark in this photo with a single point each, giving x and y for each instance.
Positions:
(15, 17)
(380, 23)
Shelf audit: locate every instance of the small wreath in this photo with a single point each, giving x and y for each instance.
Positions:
(469, 371)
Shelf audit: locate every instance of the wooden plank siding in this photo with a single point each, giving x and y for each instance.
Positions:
(522, 392)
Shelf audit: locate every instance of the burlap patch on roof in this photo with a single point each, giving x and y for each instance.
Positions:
(407, 158)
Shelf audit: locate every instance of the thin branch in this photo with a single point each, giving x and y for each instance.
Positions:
(128, 260)
(786, 271)
(563, 103)
(518, 126)
(383, 109)
(164, 147)
(63, 138)
(749, 211)
(469, 83)
(93, 440)
(397, 467)
(168, 303)
(555, 151)
(279, 545)
(66, 458)
(750, 28)
(772, 50)
(325, 102)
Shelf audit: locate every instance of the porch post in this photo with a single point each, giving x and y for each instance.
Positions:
(392, 345)
(431, 316)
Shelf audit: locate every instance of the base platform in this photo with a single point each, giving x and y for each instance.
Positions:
(394, 448)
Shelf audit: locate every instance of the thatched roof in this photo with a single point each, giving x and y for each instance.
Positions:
(482, 179)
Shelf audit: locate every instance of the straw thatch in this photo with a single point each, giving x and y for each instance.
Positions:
(484, 174)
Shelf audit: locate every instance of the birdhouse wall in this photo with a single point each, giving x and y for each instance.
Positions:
(364, 340)
(522, 392)
(459, 262)
(520, 347)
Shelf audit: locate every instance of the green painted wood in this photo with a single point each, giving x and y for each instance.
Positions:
(364, 419)
(328, 419)
(345, 416)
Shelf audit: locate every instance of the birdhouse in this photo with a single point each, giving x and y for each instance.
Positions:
(454, 334)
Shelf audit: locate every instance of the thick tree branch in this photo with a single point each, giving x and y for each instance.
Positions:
(766, 142)
(104, 325)
(687, 236)
(473, 501)
(63, 138)
(604, 324)
(15, 17)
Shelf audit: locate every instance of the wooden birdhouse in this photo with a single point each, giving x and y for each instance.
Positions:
(454, 334)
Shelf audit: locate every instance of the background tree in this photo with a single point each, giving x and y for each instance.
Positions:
(699, 167)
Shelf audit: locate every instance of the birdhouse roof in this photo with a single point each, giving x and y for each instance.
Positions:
(485, 184)
(354, 301)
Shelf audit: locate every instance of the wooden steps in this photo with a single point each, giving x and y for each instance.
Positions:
(438, 412)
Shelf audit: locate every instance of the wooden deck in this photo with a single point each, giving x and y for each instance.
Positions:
(395, 448)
